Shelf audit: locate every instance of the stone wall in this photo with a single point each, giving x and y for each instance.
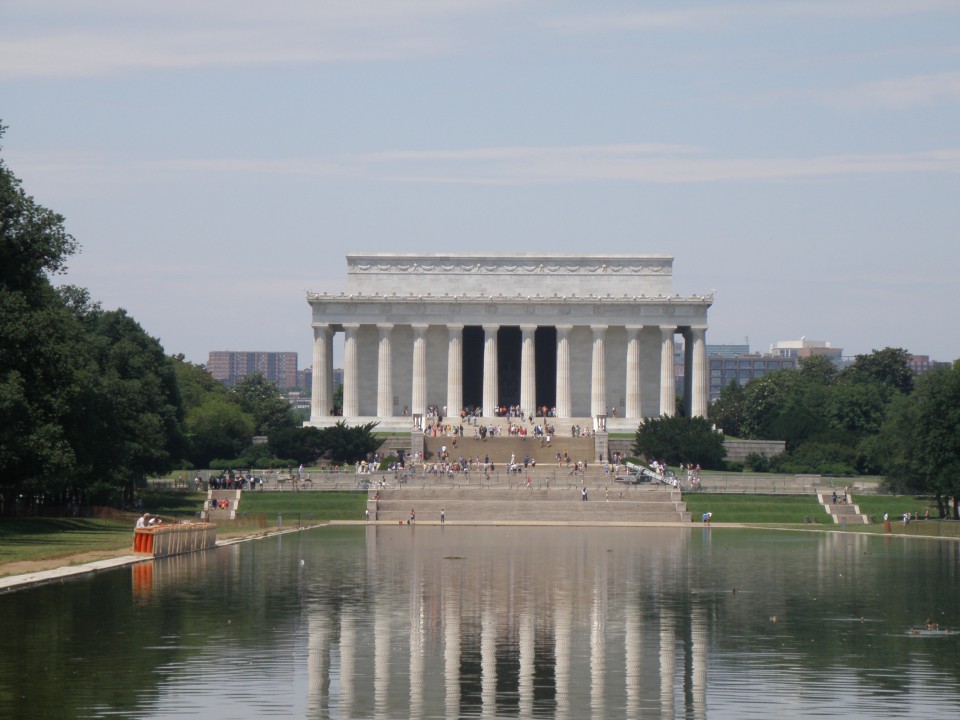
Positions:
(738, 450)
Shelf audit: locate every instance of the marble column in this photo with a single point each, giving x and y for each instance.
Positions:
(633, 658)
(598, 380)
(563, 371)
(668, 390)
(699, 370)
(700, 641)
(382, 647)
(451, 647)
(527, 651)
(419, 402)
(351, 397)
(598, 643)
(488, 659)
(634, 408)
(687, 374)
(562, 632)
(384, 372)
(348, 664)
(667, 665)
(318, 665)
(490, 378)
(321, 403)
(418, 652)
(528, 370)
(454, 370)
(330, 388)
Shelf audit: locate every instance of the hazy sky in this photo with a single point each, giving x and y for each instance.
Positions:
(216, 159)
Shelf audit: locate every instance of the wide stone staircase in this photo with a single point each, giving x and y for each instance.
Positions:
(500, 449)
(522, 504)
(843, 510)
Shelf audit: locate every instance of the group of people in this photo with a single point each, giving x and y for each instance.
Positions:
(229, 481)
(146, 520)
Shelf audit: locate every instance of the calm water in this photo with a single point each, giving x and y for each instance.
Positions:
(515, 622)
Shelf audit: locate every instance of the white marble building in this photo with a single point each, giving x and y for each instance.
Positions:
(590, 336)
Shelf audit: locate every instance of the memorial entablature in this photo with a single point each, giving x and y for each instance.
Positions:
(588, 337)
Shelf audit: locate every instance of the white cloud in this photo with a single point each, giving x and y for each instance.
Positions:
(901, 93)
(724, 16)
(52, 40)
(522, 165)
(654, 164)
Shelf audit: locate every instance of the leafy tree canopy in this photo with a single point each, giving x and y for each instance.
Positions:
(677, 439)
(264, 402)
(889, 368)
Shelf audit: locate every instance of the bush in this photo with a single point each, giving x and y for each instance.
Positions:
(677, 439)
(733, 466)
(757, 463)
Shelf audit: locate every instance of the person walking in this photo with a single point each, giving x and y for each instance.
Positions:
(442, 516)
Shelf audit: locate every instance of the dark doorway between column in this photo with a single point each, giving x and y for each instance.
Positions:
(472, 366)
(508, 365)
(545, 343)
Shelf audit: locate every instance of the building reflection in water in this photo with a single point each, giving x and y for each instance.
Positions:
(498, 622)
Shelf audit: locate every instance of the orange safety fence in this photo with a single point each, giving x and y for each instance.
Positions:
(161, 540)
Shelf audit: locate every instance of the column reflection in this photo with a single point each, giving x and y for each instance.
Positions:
(495, 622)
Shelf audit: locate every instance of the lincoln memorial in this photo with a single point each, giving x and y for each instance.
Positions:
(589, 337)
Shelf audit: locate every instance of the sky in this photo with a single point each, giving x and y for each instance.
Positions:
(216, 160)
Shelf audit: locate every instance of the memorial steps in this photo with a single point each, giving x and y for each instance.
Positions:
(499, 449)
(520, 505)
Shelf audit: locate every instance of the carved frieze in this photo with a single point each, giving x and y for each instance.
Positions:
(512, 266)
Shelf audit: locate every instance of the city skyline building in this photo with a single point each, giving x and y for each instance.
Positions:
(229, 366)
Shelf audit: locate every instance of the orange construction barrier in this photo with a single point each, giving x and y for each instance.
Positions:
(173, 539)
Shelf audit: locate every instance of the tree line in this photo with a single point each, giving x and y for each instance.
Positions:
(91, 405)
(874, 417)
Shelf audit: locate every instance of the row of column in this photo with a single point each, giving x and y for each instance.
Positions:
(348, 696)
(695, 376)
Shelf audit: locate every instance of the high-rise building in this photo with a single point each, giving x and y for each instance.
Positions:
(742, 369)
(228, 366)
(804, 348)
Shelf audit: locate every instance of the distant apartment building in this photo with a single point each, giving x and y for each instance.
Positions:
(804, 348)
(741, 369)
(229, 366)
(306, 378)
(922, 363)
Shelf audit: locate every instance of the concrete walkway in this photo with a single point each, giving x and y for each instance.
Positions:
(23, 580)
(14, 582)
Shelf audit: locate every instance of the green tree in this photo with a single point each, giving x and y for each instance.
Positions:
(677, 439)
(765, 400)
(264, 402)
(41, 353)
(88, 401)
(131, 427)
(889, 368)
(856, 407)
(303, 444)
(727, 410)
(922, 438)
(217, 428)
(818, 369)
(194, 382)
(349, 443)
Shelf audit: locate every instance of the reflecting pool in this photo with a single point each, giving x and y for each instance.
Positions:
(397, 621)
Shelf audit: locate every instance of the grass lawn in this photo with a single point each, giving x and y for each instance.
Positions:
(28, 539)
(895, 505)
(756, 508)
(310, 506)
